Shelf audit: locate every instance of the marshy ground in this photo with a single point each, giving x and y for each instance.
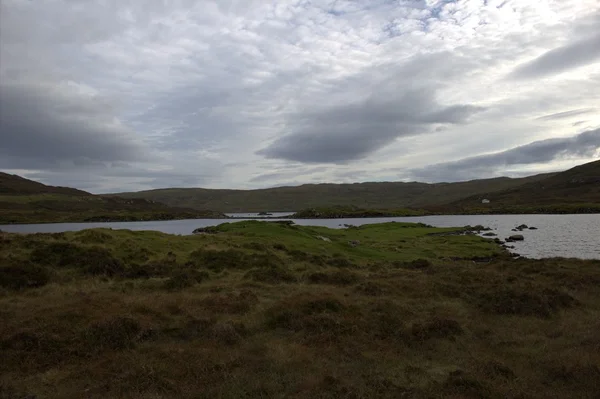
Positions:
(268, 310)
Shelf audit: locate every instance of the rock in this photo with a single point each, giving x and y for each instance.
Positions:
(516, 237)
(265, 214)
(533, 228)
(323, 238)
(489, 234)
(284, 222)
(476, 228)
(521, 227)
(205, 230)
(354, 243)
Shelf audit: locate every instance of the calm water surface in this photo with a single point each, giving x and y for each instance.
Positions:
(575, 236)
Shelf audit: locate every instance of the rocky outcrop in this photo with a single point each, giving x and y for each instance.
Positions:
(205, 230)
(515, 237)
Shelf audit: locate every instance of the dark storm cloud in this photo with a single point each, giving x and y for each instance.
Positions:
(350, 132)
(583, 145)
(46, 126)
(566, 114)
(572, 55)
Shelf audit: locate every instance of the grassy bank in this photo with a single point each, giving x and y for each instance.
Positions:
(257, 309)
(494, 209)
(63, 208)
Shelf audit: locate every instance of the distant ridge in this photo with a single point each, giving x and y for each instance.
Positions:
(384, 195)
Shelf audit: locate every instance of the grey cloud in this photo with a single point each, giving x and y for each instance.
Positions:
(566, 114)
(214, 81)
(581, 146)
(291, 173)
(46, 125)
(350, 132)
(573, 55)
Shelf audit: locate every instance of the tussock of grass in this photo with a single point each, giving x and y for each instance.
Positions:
(338, 277)
(272, 275)
(527, 302)
(19, 275)
(258, 311)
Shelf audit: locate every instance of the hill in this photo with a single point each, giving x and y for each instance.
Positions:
(385, 195)
(17, 185)
(27, 201)
(574, 190)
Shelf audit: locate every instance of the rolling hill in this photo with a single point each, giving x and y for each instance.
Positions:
(27, 201)
(574, 190)
(385, 195)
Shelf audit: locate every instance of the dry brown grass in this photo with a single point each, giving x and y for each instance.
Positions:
(504, 329)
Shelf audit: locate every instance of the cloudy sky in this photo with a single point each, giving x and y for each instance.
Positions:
(123, 95)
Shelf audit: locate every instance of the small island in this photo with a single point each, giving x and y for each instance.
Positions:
(339, 212)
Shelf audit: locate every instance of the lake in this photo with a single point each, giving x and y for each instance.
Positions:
(576, 236)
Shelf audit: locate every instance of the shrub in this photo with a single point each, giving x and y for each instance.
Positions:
(257, 246)
(526, 302)
(185, 278)
(100, 262)
(23, 275)
(217, 260)
(339, 277)
(117, 333)
(436, 328)
(339, 262)
(61, 254)
(414, 264)
(228, 332)
(271, 275)
(460, 384)
(301, 256)
(370, 288)
(93, 237)
(279, 246)
(230, 303)
(91, 260)
(292, 313)
(495, 369)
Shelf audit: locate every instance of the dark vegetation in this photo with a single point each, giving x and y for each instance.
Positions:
(576, 190)
(338, 212)
(26, 201)
(260, 309)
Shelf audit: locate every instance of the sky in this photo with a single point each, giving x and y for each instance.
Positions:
(128, 95)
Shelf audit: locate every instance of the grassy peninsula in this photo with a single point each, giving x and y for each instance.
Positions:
(270, 310)
(338, 212)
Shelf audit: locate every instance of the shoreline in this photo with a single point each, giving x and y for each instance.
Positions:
(291, 217)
